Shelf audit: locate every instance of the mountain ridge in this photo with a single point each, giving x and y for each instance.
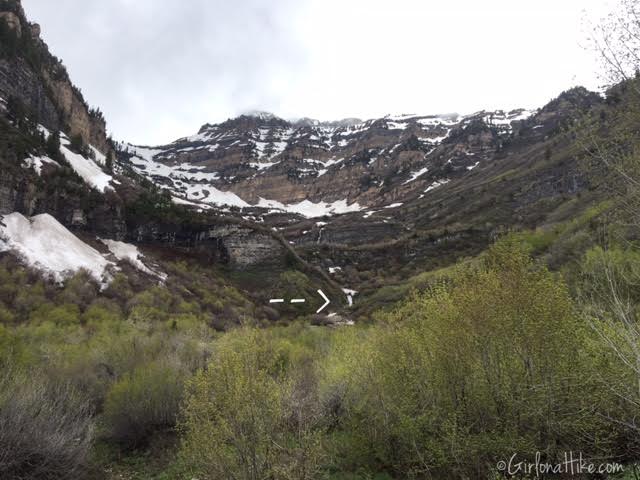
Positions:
(253, 151)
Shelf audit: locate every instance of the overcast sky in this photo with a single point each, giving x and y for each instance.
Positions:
(159, 69)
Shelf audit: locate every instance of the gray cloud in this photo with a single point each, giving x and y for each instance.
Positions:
(161, 68)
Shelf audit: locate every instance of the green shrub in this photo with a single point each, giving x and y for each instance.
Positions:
(245, 418)
(101, 312)
(81, 289)
(119, 289)
(67, 314)
(462, 375)
(142, 403)
(6, 315)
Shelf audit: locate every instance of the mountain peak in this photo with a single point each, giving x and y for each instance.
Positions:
(248, 120)
(260, 115)
(312, 122)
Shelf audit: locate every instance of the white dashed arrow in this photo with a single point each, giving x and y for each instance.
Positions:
(326, 301)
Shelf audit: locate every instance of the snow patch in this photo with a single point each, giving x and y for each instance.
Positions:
(396, 125)
(350, 294)
(187, 176)
(438, 120)
(90, 172)
(45, 244)
(417, 174)
(37, 162)
(311, 210)
(262, 166)
(144, 164)
(214, 196)
(98, 155)
(130, 253)
(144, 153)
(436, 184)
(182, 201)
(434, 140)
(501, 118)
(356, 128)
(325, 165)
(471, 167)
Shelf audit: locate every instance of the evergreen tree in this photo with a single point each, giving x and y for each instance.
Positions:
(17, 111)
(109, 162)
(53, 145)
(77, 144)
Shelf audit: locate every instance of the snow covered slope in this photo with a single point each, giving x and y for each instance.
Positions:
(311, 210)
(45, 244)
(314, 168)
(131, 253)
(37, 162)
(88, 169)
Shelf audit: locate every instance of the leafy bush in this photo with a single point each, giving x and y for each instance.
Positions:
(66, 314)
(142, 403)
(463, 375)
(245, 418)
(608, 287)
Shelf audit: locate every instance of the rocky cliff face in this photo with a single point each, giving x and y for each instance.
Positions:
(17, 79)
(75, 117)
(315, 168)
(396, 194)
(105, 216)
(30, 73)
(262, 158)
(13, 22)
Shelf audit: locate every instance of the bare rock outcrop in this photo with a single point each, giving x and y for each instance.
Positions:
(43, 85)
(74, 114)
(13, 22)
